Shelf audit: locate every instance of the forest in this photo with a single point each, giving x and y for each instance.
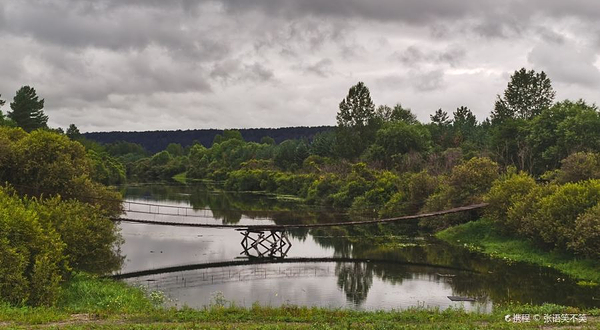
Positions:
(535, 160)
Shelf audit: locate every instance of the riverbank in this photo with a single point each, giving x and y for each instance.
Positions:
(89, 302)
(480, 235)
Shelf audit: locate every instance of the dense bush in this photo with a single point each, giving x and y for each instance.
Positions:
(505, 192)
(47, 163)
(106, 169)
(32, 263)
(43, 240)
(91, 238)
(556, 216)
(469, 181)
(587, 233)
(579, 166)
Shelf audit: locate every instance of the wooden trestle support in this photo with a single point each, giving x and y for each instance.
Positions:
(267, 243)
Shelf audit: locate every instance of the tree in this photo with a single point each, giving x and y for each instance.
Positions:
(175, 149)
(27, 110)
(357, 121)
(440, 128)
(526, 95)
(464, 123)
(267, 140)
(398, 113)
(396, 139)
(323, 144)
(357, 110)
(561, 130)
(73, 132)
(440, 118)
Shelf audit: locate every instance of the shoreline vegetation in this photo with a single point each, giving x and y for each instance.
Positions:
(88, 301)
(481, 236)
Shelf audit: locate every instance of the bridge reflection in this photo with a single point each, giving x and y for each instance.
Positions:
(271, 243)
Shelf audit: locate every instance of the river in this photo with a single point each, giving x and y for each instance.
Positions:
(374, 267)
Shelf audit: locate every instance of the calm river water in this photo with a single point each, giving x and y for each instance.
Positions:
(359, 268)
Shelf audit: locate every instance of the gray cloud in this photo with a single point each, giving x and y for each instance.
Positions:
(567, 64)
(153, 64)
(321, 68)
(415, 56)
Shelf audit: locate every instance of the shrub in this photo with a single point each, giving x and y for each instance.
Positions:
(321, 189)
(245, 180)
(32, 263)
(519, 215)
(557, 213)
(505, 192)
(90, 237)
(469, 181)
(420, 186)
(397, 205)
(579, 166)
(587, 239)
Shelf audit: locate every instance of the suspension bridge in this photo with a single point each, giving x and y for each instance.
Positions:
(260, 240)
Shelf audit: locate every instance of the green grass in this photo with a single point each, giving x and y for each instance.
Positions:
(86, 293)
(480, 235)
(181, 177)
(92, 303)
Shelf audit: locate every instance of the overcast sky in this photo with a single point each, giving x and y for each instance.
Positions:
(180, 64)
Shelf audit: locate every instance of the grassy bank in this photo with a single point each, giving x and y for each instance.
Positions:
(181, 177)
(482, 236)
(89, 302)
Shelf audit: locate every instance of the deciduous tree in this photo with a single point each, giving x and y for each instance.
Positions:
(356, 121)
(527, 94)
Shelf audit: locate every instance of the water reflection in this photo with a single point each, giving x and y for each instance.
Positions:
(378, 266)
(355, 279)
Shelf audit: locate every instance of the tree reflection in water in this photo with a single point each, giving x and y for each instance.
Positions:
(355, 279)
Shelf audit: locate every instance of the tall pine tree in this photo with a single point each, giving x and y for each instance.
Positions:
(27, 110)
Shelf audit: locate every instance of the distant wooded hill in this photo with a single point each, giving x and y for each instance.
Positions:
(155, 141)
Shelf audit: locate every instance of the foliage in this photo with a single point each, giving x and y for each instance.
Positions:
(106, 169)
(47, 163)
(396, 139)
(267, 140)
(484, 235)
(32, 263)
(556, 216)
(586, 238)
(464, 125)
(175, 149)
(73, 132)
(579, 166)
(398, 113)
(505, 192)
(27, 110)
(90, 237)
(356, 121)
(527, 94)
(469, 181)
(565, 128)
(5, 121)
